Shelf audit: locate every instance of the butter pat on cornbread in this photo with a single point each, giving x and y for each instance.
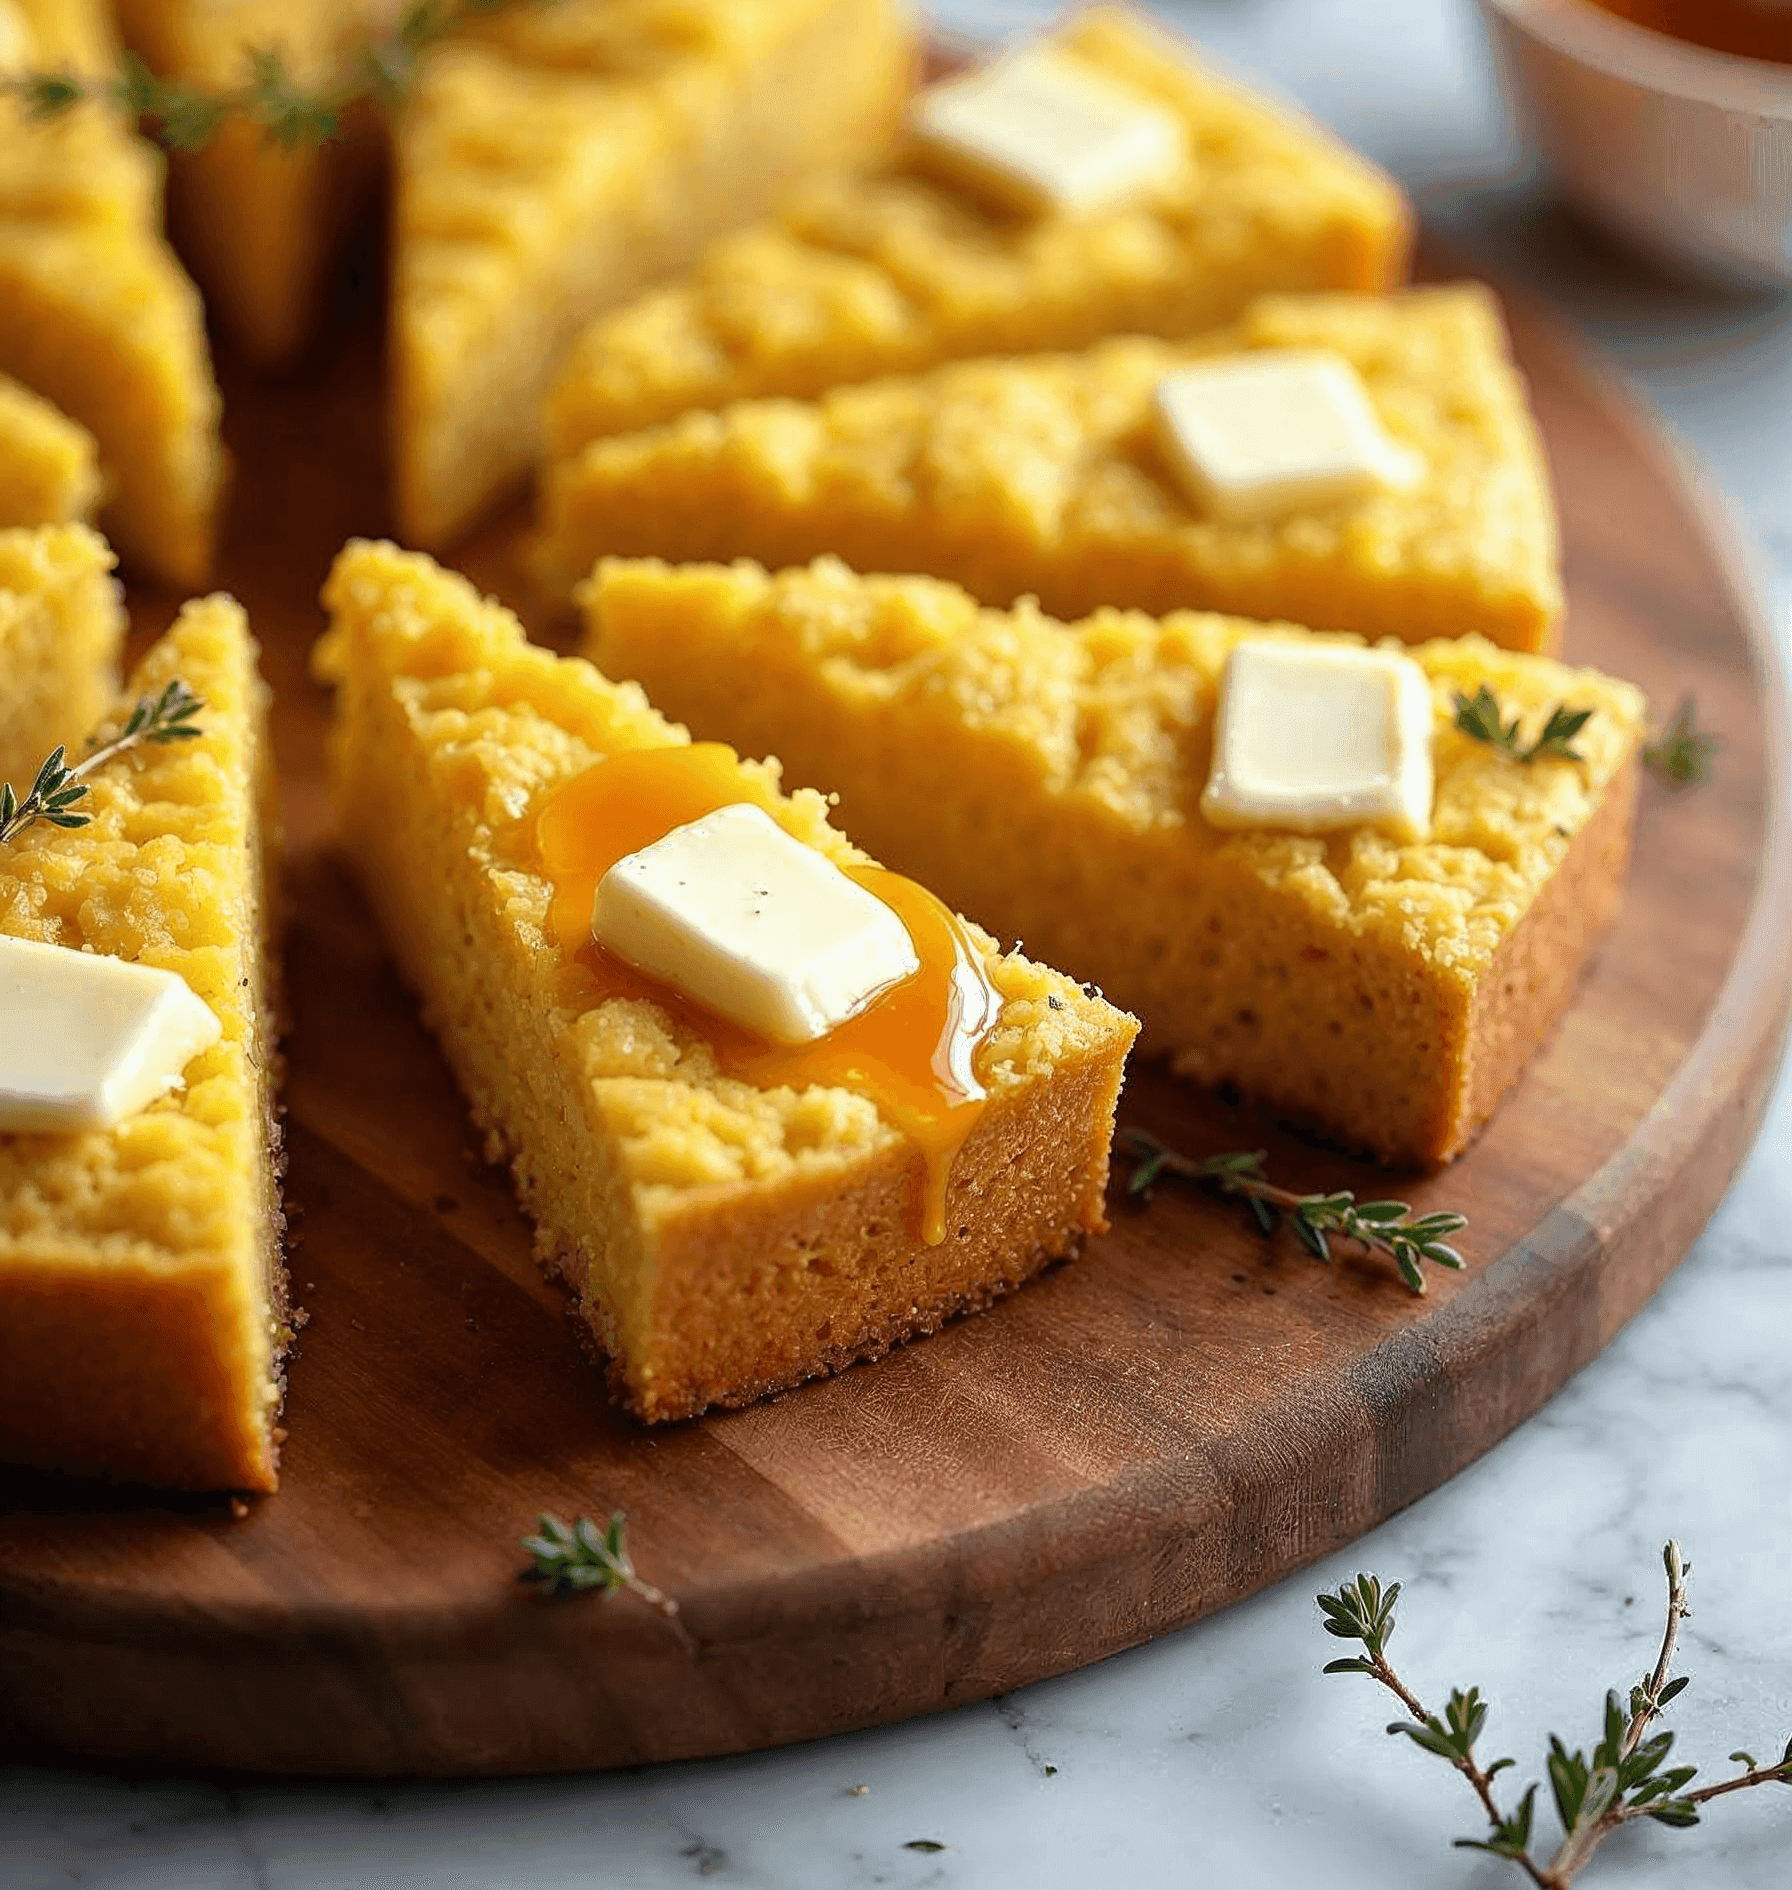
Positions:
(1321, 735)
(1043, 133)
(1047, 778)
(900, 265)
(724, 1238)
(1042, 476)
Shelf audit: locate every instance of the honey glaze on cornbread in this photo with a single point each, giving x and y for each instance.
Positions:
(911, 1052)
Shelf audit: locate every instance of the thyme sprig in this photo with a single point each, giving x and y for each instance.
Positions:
(575, 1559)
(1478, 716)
(185, 117)
(1385, 1227)
(1626, 1778)
(1681, 753)
(167, 717)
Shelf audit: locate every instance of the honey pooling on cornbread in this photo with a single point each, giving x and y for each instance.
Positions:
(912, 1050)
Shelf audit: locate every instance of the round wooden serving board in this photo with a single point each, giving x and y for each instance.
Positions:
(1171, 1422)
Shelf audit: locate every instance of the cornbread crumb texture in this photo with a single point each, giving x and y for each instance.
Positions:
(1040, 476)
(258, 221)
(498, 723)
(1047, 779)
(139, 1267)
(62, 625)
(661, 1186)
(49, 466)
(552, 160)
(894, 269)
(100, 318)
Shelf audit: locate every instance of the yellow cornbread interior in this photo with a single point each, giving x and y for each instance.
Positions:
(1046, 779)
(1041, 477)
(49, 467)
(893, 269)
(140, 1283)
(725, 1239)
(259, 221)
(98, 316)
(553, 160)
(62, 625)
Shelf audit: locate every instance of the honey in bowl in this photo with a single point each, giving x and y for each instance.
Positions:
(911, 1051)
(1756, 30)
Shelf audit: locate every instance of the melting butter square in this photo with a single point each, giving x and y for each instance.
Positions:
(86, 1040)
(1260, 435)
(1316, 736)
(753, 925)
(1042, 134)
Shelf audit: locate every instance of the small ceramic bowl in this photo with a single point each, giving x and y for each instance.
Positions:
(1682, 152)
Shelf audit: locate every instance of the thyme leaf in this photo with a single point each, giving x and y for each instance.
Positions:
(167, 717)
(1389, 1228)
(1625, 1778)
(185, 117)
(1478, 716)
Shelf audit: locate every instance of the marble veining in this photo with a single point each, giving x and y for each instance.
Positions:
(1219, 1755)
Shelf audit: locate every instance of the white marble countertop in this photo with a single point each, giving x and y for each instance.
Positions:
(1220, 1755)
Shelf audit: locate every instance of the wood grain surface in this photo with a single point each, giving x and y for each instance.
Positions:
(1168, 1424)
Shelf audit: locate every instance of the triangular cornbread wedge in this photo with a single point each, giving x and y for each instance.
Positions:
(1040, 477)
(724, 1239)
(554, 160)
(895, 269)
(260, 222)
(62, 626)
(49, 466)
(1046, 779)
(98, 316)
(141, 1290)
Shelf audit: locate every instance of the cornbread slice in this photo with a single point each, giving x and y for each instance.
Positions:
(724, 1240)
(1047, 778)
(554, 160)
(49, 466)
(1041, 476)
(260, 223)
(95, 313)
(141, 1292)
(894, 269)
(62, 626)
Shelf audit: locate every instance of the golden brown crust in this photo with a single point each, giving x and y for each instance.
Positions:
(1521, 998)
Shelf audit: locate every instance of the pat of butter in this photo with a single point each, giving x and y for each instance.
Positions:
(1318, 736)
(1256, 436)
(87, 1040)
(1040, 133)
(753, 925)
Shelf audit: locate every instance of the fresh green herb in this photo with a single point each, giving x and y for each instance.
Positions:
(184, 117)
(167, 717)
(1478, 716)
(1627, 1777)
(1384, 1227)
(1681, 754)
(572, 1561)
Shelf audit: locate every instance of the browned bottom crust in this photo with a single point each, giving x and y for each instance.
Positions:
(754, 1290)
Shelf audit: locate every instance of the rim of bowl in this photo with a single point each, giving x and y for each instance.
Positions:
(1584, 31)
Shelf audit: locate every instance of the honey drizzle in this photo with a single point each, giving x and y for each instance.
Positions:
(911, 1052)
